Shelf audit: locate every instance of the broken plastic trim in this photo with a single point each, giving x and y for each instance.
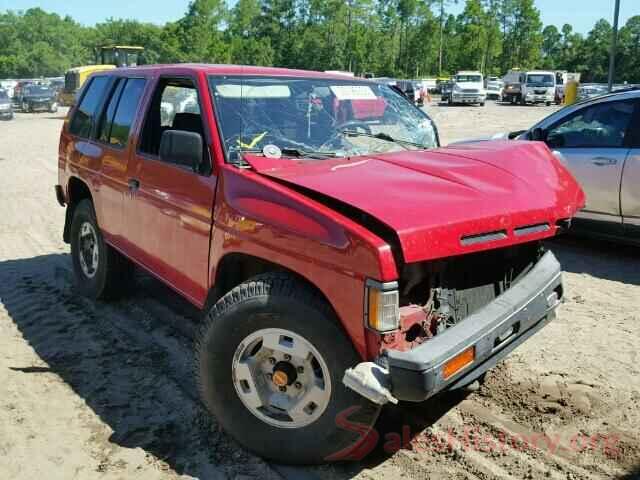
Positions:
(371, 381)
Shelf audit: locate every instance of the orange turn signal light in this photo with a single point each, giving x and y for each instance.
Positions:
(457, 363)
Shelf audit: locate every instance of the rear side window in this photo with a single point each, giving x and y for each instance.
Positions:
(121, 111)
(84, 116)
(104, 131)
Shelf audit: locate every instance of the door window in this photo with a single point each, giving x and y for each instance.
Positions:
(603, 125)
(84, 117)
(174, 106)
(106, 120)
(126, 111)
(119, 115)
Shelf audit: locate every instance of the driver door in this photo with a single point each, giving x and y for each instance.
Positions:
(592, 142)
(170, 206)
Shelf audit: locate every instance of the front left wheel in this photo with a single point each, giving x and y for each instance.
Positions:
(270, 361)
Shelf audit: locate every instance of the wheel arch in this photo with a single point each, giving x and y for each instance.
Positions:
(77, 190)
(235, 268)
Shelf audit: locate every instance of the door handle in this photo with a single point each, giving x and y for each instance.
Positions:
(134, 184)
(604, 161)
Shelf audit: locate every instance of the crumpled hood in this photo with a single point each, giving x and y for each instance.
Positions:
(446, 201)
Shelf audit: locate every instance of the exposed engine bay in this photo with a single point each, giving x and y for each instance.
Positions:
(436, 295)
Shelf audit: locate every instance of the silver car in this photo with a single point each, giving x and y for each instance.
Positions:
(599, 141)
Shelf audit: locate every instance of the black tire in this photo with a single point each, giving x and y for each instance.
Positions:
(548, 104)
(277, 300)
(482, 104)
(114, 271)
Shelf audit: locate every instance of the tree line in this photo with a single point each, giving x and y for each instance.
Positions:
(396, 38)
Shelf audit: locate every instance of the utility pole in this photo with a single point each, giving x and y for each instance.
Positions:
(614, 41)
(441, 37)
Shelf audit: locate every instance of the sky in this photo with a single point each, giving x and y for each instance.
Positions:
(582, 14)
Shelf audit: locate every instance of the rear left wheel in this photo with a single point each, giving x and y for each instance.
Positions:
(100, 271)
(270, 361)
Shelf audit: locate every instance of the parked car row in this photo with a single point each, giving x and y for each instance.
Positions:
(33, 95)
(6, 108)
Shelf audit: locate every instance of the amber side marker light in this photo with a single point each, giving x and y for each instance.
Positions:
(457, 363)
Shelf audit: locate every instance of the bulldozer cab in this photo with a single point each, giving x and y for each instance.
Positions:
(120, 56)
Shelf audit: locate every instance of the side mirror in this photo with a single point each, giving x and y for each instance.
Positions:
(556, 141)
(182, 148)
(538, 135)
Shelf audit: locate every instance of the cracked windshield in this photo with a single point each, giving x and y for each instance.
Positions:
(316, 118)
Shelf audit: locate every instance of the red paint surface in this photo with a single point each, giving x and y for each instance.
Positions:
(434, 198)
(180, 225)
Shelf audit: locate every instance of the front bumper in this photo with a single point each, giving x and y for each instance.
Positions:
(468, 98)
(40, 106)
(539, 98)
(494, 331)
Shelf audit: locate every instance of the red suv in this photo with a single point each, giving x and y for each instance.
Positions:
(342, 258)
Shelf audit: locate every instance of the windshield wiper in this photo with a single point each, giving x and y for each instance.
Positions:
(307, 153)
(293, 152)
(382, 136)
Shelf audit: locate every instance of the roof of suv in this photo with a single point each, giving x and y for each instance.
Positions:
(238, 70)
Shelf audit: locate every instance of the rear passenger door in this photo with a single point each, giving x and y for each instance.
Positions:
(113, 141)
(630, 189)
(170, 208)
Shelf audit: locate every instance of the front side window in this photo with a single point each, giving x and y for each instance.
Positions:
(84, 117)
(174, 106)
(322, 117)
(602, 125)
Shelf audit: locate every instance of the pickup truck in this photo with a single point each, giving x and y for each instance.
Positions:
(343, 260)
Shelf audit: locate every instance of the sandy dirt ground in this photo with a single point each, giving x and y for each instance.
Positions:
(105, 390)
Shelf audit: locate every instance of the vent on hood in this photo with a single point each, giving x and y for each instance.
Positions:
(483, 237)
(529, 229)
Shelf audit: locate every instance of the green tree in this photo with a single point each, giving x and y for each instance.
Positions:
(551, 47)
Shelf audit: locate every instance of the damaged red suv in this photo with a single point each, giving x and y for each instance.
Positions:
(343, 259)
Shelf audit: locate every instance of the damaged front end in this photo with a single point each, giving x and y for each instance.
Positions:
(458, 317)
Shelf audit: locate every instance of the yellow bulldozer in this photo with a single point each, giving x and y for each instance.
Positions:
(107, 57)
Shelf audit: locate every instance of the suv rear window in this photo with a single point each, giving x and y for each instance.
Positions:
(84, 117)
